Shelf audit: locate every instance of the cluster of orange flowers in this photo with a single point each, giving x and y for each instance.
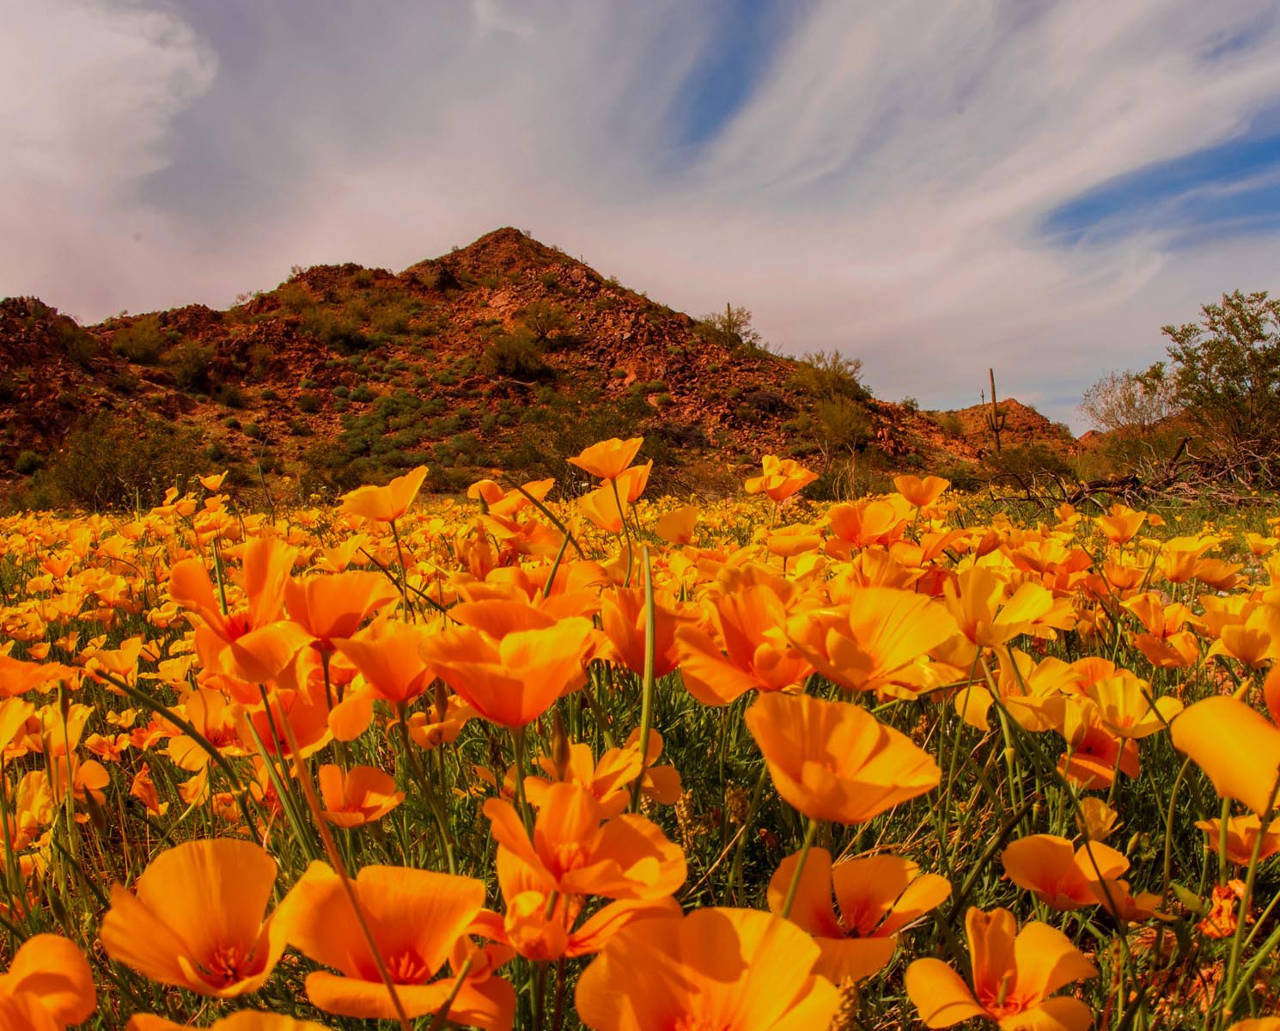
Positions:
(255, 687)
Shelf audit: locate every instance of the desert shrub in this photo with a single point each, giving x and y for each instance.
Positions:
(75, 343)
(295, 297)
(826, 375)
(143, 342)
(231, 395)
(340, 330)
(680, 436)
(950, 423)
(549, 325)
(732, 328)
(114, 460)
(841, 423)
(761, 404)
(27, 463)
(190, 361)
(1026, 464)
(310, 403)
(516, 356)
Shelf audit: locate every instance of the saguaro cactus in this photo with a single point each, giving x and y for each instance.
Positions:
(995, 417)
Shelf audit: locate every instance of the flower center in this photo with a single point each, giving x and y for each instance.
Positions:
(408, 968)
(237, 625)
(228, 964)
(570, 855)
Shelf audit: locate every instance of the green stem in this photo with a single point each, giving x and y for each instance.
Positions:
(428, 795)
(522, 803)
(1237, 941)
(810, 831)
(647, 685)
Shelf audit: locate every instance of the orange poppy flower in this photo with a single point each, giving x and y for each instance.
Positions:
(434, 727)
(576, 851)
(1255, 640)
(143, 788)
(876, 642)
(216, 719)
(1127, 708)
(780, 478)
(622, 616)
(496, 500)
(609, 458)
(601, 507)
(609, 779)
(363, 794)
(1026, 689)
(1165, 644)
(385, 504)
(676, 526)
(515, 680)
(1096, 820)
(336, 605)
(1121, 524)
(858, 524)
(877, 896)
(836, 761)
(47, 986)
(920, 493)
(1014, 975)
(389, 655)
(1224, 910)
(306, 712)
(251, 642)
(1059, 875)
(195, 919)
(728, 969)
(1094, 754)
(1242, 836)
(419, 919)
(987, 614)
(749, 651)
(18, 677)
(632, 482)
(540, 925)
(1236, 746)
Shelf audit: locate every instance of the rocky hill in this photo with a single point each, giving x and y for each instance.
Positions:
(506, 354)
(1021, 425)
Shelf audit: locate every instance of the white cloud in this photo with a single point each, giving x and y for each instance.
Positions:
(879, 192)
(87, 94)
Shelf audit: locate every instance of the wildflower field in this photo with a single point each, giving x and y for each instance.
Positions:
(512, 760)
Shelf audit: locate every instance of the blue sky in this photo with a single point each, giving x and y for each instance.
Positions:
(933, 186)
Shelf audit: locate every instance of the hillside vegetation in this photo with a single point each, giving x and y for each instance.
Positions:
(504, 354)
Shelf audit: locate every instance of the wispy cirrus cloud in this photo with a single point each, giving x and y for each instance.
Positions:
(933, 186)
